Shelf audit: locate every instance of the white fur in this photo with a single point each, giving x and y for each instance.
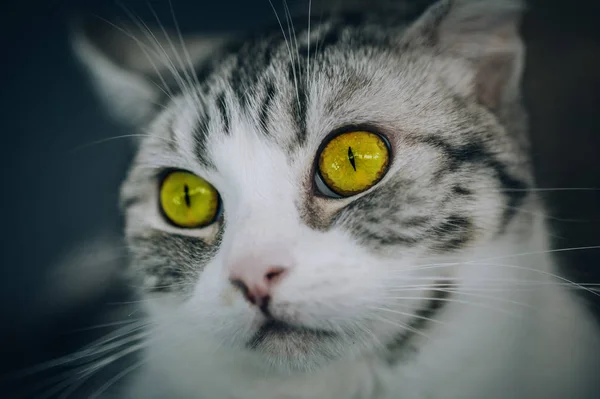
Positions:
(542, 347)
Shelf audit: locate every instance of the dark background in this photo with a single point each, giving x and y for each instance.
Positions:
(56, 194)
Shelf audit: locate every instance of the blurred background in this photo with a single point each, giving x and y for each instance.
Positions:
(60, 180)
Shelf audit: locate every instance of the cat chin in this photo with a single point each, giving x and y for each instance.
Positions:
(296, 352)
(290, 365)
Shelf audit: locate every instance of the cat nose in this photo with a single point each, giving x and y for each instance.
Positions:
(256, 282)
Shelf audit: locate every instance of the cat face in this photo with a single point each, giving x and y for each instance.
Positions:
(288, 267)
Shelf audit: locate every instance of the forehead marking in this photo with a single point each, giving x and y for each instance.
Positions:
(265, 107)
(224, 111)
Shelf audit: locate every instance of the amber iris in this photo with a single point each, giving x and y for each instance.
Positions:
(353, 162)
(188, 200)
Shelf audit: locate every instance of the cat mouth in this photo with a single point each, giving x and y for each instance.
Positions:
(278, 337)
(275, 331)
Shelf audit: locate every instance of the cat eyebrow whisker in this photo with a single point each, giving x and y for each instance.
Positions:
(184, 84)
(289, 48)
(190, 64)
(308, 44)
(293, 42)
(124, 136)
(145, 49)
(189, 77)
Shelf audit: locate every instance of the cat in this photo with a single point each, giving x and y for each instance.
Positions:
(340, 208)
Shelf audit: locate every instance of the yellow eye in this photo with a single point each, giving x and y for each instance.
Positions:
(188, 200)
(353, 162)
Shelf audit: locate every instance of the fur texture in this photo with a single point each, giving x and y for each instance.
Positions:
(434, 283)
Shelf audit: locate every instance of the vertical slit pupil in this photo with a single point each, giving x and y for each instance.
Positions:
(188, 201)
(351, 158)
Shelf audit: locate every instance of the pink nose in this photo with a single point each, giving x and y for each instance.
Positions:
(256, 280)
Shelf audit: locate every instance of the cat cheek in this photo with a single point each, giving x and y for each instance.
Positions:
(227, 297)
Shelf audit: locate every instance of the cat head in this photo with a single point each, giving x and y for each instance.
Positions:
(292, 197)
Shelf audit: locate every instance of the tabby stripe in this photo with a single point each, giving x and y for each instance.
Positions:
(265, 107)
(387, 238)
(222, 107)
(460, 190)
(201, 136)
(514, 189)
(415, 221)
(396, 350)
(453, 233)
(299, 101)
(173, 260)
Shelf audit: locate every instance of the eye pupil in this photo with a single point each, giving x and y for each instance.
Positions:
(351, 158)
(337, 162)
(188, 201)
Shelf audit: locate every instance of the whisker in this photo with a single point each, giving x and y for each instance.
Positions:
(371, 334)
(544, 215)
(187, 81)
(112, 359)
(50, 386)
(115, 379)
(124, 136)
(411, 315)
(308, 44)
(164, 88)
(105, 325)
(553, 275)
(404, 326)
(293, 42)
(480, 296)
(87, 351)
(517, 255)
(548, 189)
(452, 300)
(87, 355)
(487, 284)
(181, 284)
(191, 96)
(287, 43)
(119, 333)
(186, 53)
(152, 39)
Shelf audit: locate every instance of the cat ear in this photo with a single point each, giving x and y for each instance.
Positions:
(132, 69)
(482, 42)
